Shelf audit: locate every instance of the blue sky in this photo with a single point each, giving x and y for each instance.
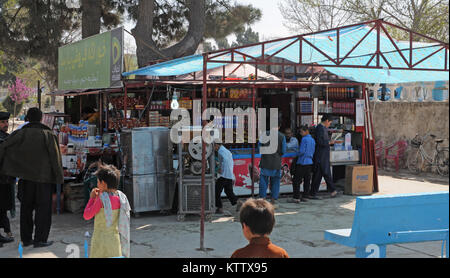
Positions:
(271, 24)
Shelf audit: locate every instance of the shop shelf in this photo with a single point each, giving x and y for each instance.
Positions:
(231, 99)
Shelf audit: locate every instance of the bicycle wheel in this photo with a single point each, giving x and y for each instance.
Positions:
(442, 162)
(415, 162)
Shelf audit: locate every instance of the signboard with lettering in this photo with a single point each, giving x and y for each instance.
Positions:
(92, 63)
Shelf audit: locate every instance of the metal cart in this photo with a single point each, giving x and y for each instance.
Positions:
(190, 179)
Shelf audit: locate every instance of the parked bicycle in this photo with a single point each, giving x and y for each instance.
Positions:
(419, 159)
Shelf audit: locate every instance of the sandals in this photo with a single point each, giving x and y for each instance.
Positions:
(294, 201)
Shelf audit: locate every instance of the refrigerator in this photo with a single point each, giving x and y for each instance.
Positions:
(149, 175)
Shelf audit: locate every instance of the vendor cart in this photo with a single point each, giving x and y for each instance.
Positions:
(189, 178)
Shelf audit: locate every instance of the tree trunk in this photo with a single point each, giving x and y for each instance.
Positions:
(147, 51)
(91, 18)
(143, 32)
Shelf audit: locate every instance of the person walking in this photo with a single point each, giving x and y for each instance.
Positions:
(32, 154)
(6, 187)
(304, 166)
(322, 159)
(226, 178)
(270, 169)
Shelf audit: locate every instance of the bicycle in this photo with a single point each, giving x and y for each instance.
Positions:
(439, 159)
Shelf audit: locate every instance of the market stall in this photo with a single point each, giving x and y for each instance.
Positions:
(83, 138)
(361, 53)
(296, 100)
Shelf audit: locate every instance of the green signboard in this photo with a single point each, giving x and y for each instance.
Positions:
(92, 63)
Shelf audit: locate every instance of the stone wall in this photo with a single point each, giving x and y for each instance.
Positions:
(394, 121)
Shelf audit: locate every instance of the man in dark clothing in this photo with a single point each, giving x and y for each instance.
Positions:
(270, 168)
(322, 159)
(32, 154)
(6, 184)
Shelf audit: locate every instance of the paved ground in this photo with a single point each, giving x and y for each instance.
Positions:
(299, 229)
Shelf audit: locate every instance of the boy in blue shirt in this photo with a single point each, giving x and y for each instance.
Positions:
(304, 165)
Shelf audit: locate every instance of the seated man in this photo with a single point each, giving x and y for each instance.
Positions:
(90, 115)
(291, 142)
(258, 219)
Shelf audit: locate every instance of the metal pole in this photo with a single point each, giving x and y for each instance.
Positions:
(202, 214)
(100, 108)
(147, 108)
(39, 94)
(125, 101)
(81, 105)
(410, 49)
(253, 127)
(365, 132)
(338, 45)
(378, 43)
(372, 146)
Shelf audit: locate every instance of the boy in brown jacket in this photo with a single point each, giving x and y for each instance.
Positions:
(258, 218)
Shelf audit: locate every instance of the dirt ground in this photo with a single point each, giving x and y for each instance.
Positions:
(299, 229)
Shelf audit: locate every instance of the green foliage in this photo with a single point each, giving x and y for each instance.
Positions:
(246, 37)
(8, 69)
(8, 105)
(36, 29)
(222, 19)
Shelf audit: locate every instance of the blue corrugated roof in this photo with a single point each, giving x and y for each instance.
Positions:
(327, 42)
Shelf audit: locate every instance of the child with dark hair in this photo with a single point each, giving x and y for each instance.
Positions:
(110, 207)
(257, 218)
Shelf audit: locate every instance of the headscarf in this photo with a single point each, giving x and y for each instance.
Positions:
(124, 219)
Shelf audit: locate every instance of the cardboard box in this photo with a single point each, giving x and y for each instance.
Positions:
(358, 180)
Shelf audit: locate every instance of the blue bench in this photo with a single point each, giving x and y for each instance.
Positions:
(393, 219)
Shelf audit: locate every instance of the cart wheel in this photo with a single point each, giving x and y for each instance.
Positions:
(165, 212)
(180, 217)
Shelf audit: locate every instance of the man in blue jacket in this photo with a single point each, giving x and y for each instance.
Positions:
(304, 166)
(322, 159)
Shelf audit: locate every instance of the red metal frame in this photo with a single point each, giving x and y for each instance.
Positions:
(378, 27)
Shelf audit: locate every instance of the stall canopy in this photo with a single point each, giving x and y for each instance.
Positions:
(240, 71)
(364, 53)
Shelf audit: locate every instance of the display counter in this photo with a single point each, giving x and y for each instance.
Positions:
(242, 169)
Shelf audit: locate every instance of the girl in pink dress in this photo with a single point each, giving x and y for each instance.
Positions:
(111, 210)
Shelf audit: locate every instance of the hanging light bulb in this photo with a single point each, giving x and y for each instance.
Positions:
(175, 105)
